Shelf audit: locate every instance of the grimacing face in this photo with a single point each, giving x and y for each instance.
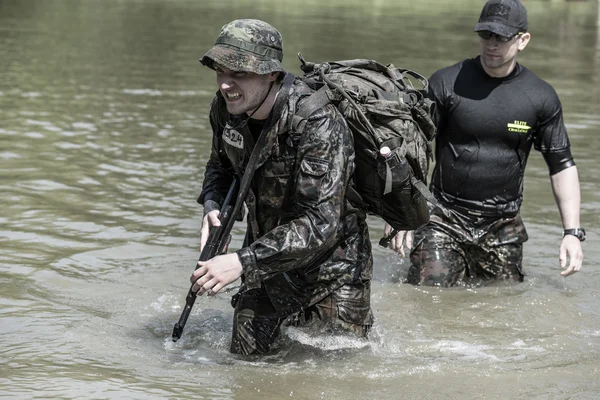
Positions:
(243, 91)
(499, 58)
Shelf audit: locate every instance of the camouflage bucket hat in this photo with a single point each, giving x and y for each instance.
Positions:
(247, 45)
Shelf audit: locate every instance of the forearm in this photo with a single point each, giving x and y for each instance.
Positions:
(565, 186)
(218, 176)
(295, 245)
(216, 183)
(219, 172)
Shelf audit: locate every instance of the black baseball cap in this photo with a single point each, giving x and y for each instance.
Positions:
(503, 17)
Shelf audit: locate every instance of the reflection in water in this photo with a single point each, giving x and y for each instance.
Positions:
(104, 133)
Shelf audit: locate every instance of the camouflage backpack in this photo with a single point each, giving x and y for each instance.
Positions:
(383, 109)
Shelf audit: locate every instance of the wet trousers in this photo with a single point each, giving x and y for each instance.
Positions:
(256, 324)
(460, 248)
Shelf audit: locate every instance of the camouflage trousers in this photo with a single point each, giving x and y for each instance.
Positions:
(256, 324)
(467, 249)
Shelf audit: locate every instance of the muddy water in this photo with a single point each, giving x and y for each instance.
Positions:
(104, 136)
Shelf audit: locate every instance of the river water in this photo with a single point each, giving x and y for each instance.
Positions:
(104, 135)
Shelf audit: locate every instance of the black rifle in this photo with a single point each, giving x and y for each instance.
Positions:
(217, 240)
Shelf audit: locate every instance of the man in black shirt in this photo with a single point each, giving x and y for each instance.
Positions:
(490, 111)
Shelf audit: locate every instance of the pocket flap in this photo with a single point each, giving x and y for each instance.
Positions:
(314, 166)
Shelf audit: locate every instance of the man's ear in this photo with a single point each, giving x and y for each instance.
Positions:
(273, 76)
(524, 40)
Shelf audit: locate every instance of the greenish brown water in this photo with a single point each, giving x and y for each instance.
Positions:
(104, 136)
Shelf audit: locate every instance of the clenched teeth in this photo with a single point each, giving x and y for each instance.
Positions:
(233, 95)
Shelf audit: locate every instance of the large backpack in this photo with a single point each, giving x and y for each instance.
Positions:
(383, 109)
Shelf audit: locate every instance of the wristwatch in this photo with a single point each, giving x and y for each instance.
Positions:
(579, 233)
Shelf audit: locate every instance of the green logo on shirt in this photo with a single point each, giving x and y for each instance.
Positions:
(518, 127)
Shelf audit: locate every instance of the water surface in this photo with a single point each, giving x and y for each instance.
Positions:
(104, 136)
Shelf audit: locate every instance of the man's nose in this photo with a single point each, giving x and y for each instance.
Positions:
(224, 83)
(493, 42)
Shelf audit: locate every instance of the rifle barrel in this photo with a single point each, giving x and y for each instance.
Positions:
(215, 243)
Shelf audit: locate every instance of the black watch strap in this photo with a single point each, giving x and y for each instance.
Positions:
(579, 233)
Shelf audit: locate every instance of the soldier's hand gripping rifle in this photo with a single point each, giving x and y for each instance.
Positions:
(216, 242)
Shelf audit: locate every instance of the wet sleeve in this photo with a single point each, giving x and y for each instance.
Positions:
(218, 174)
(558, 161)
(551, 137)
(551, 133)
(325, 163)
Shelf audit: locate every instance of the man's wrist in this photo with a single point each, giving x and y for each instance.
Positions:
(252, 278)
(211, 205)
(579, 233)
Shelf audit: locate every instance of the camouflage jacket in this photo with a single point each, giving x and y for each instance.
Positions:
(304, 239)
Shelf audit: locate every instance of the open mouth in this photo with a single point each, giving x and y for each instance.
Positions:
(233, 96)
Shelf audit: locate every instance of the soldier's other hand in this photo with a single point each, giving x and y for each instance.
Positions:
(400, 241)
(571, 251)
(210, 219)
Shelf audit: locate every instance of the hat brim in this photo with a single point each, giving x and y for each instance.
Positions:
(497, 28)
(236, 59)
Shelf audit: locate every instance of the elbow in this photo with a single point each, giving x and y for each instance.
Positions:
(326, 225)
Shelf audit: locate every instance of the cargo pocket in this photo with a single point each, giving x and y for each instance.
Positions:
(273, 177)
(312, 172)
(356, 314)
(353, 307)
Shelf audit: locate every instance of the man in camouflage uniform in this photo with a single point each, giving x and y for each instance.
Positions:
(306, 259)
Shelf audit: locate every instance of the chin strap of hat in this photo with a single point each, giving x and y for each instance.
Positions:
(262, 101)
(244, 121)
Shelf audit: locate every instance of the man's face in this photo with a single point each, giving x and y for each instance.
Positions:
(243, 91)
(497, 54)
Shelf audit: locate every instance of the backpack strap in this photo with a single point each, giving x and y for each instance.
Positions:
(315, 101)
(420, 186)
